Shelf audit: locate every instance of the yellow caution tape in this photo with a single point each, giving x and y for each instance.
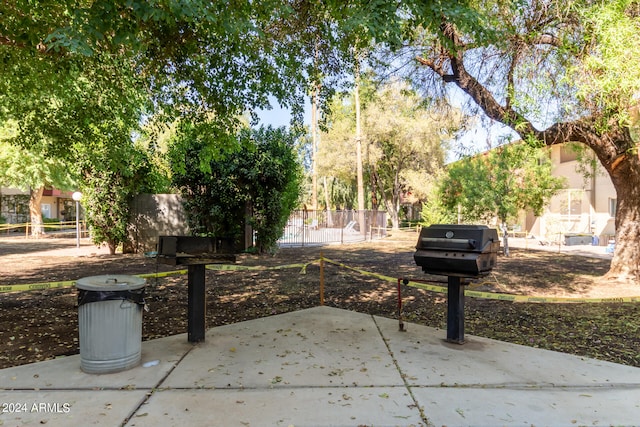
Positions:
(234, 267)
(366, 273)
(162, 274)
(492, 295)
(526, 298)
(303, 267)
(69, 283)
(36, 286)
(216, 267)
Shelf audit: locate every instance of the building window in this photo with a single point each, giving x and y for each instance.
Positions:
(571, 207)
(568, 153)
(571, 204)
(613, 203)
(46, 210)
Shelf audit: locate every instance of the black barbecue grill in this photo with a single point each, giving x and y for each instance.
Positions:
(457, 251)
(192, 250)
(195, 253)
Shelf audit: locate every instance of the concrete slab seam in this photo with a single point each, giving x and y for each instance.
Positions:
(531, 387)
(85, 389)
(153, 389)
(280, 387)
(402, 375)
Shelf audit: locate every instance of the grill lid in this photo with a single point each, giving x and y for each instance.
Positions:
(468, 238)
(457, 250)
(192, 250)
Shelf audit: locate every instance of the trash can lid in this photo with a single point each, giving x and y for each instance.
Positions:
(110, 282)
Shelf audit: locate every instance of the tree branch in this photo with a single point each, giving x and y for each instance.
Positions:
(457, 73)
(6, 41)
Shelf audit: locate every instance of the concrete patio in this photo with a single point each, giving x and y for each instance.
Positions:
(326, 367)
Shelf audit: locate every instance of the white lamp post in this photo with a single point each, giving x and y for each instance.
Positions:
(77, 196)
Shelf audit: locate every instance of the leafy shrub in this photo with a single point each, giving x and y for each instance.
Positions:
(257, 183)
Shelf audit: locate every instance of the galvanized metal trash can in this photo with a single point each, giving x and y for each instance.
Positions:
(110, 322)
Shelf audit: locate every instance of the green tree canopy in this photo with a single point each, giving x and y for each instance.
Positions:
(499, 184)
(405, 140)
(407, 137)
(111, 175)
(199, 59)
(33, 171)
(25, 169)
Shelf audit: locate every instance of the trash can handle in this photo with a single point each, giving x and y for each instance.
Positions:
(114, 281)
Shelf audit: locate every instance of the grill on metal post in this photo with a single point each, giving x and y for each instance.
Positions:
(195, 253)
(459, 252)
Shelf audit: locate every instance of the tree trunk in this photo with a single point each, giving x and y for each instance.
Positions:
(395, 197)
(393, 213)
(35, 211)
(617, 153)
(505, 238)
(314, 134)
(359, 173)
(625, 175)
(326, 201)
(248, 229)
(314, 151)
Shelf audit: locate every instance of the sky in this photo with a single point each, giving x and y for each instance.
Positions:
(477, 139)
(279, 116)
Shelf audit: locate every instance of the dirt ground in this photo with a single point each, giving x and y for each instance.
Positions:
(42, 324)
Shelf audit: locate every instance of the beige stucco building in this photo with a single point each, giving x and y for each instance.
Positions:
(587, 204)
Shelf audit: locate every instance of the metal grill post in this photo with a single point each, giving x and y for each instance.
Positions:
(455, 310)
(195, 253)
(196, 305)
